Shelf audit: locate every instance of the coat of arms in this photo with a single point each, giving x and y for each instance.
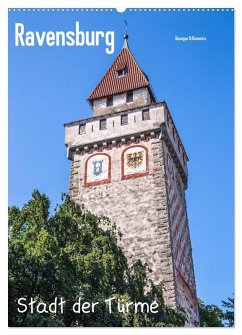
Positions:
(97, 167)
(135, 159)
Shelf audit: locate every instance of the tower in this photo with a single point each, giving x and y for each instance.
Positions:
(129, 164)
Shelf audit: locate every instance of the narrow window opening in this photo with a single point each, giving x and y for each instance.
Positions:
(130, 96)
(124, 119)
(145, 114)
(109, 101)
(82, 128)
(103, 124)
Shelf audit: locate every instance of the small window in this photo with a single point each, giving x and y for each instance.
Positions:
(124, 119)
(103, 124)
(82, 128)
(123, 72)
(120, 73)
(145, 114)
(109, 101)
(130, 96)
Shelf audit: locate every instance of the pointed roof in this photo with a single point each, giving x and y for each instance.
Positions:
(111, 84)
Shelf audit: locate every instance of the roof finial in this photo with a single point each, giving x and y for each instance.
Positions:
(126, 36)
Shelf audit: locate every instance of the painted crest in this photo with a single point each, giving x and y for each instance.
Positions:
(97, 169)
(135, 162)
(135, 159)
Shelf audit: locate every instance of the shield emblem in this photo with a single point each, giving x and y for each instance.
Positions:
(97, 167)
(135, 159)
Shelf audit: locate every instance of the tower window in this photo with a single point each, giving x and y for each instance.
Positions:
(82, 128)
(124, 119)
(123, 72)
(103, 124)
(130, 96)
(109, 101)
(145, 114)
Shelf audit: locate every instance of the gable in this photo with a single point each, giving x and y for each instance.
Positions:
(112, 83)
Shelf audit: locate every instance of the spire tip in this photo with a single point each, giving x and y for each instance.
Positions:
(126, 36)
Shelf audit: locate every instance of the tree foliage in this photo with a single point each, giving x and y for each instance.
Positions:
(213, 316)
(229, 312)
(69, 255)
(210, 315)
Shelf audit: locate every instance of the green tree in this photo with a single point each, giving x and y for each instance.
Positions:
(229, 313)
(213, 316)
(210, 315)
(69, 255)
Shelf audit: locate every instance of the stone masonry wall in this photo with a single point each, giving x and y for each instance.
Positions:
(114, 129)
(141, 97)
(139, 208)
(180, 241)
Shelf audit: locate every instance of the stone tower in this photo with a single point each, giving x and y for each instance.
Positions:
(129, 164)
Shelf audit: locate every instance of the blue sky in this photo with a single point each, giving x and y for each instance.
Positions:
(48, 87)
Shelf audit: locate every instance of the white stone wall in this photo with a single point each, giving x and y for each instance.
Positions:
(114, 127)
(99, 104)
(141, 97)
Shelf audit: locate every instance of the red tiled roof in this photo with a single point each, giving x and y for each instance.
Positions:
(112, 84)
